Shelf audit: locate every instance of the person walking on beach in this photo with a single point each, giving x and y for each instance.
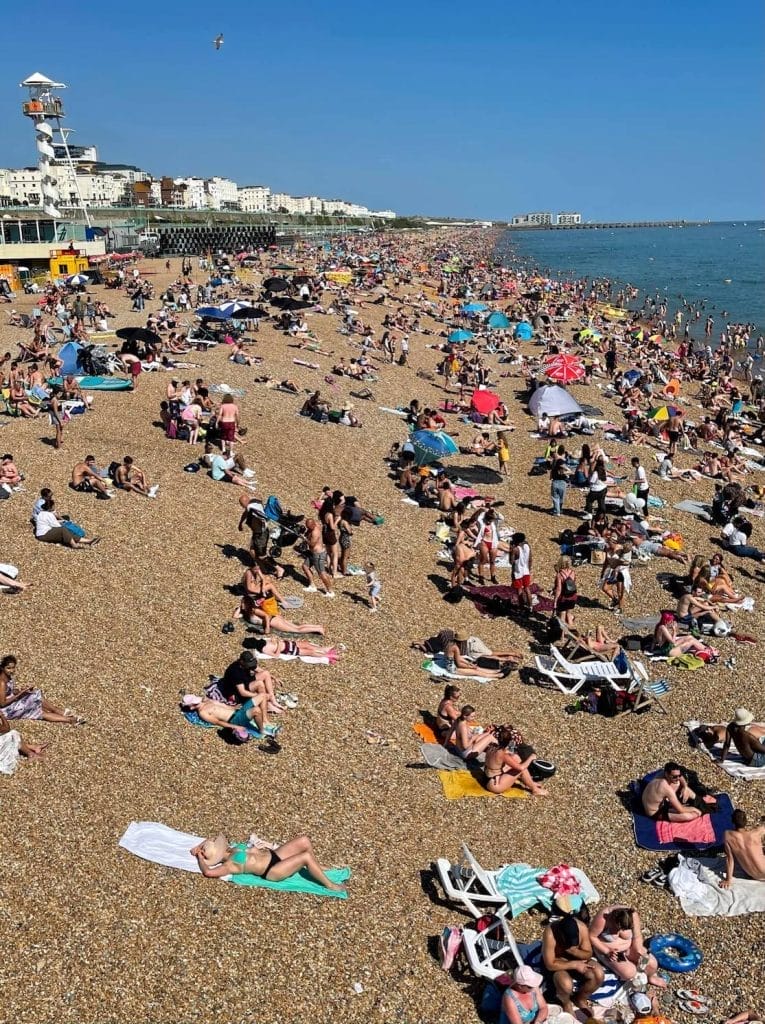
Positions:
(374, 587)
(640, 482)
(521, 562)
(228, 421)
(316, 559)
(558, 480)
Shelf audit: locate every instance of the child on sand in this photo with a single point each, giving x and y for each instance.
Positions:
(374, 587)
(503, 455)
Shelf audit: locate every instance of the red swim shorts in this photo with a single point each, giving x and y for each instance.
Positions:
(522, 582)
(228, 431)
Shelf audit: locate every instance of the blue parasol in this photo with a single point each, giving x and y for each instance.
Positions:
(460, 335)
(211, 313)
(432, 446)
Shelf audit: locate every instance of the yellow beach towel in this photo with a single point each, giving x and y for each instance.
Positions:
(457, 785)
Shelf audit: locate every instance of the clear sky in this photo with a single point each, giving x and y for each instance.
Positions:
(488, 109)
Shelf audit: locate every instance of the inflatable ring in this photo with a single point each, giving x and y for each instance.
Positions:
(676, 953)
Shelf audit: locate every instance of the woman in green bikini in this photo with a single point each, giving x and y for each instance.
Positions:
(217, 857)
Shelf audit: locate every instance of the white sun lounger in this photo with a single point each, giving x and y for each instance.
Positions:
(466, 882)
(570, 676)
(492, 952)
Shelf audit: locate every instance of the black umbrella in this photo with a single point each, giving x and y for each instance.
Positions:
(534, 296)
(301, 279)
(139, 334)
(288, 303)
(249, 313)
(276, 284)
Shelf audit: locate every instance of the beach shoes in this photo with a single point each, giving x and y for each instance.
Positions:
(270, 746)
(310, 589)
(691, 995)
(655, 877)
(287, 700)
(694, 1006)
(228, 627)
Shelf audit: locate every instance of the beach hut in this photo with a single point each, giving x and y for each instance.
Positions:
(554, 400)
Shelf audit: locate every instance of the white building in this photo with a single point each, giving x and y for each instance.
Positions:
(281, 202)
(528, 219)
(222, 194)
(189, 193)
(383, 214)
(569, 218)
(254, 198)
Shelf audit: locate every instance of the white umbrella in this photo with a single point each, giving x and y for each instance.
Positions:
(77, 279)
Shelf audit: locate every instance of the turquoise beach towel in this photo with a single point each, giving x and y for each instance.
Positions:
(297, 883)
(192, 717)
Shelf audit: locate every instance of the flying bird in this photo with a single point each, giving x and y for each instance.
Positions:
(218, 41)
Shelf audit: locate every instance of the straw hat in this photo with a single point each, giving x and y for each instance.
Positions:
(347, 406)
(743, 717)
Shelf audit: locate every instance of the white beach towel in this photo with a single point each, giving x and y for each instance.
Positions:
(696, 883)
(9, 752)
(161, 845)
(292, 657)
(732, 764)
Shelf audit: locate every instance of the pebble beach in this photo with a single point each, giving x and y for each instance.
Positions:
(93, 935)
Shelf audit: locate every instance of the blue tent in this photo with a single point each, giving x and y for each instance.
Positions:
(498, 320)
(460, 335)
(523, 331)
(68, 354)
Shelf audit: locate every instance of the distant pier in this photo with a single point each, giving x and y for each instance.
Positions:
(595, 226)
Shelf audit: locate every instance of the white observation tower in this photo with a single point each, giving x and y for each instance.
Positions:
(46, 110)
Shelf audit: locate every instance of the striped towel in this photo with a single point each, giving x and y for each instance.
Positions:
(518, 884)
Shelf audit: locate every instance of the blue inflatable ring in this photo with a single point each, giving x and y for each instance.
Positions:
(676, 953)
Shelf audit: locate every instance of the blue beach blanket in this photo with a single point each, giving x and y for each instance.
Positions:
(192, 717)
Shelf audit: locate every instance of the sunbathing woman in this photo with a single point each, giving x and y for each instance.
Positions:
(503, 768)
(667, 643)
(217, 857)
(464, 740)
(448, 711)
(264, 611)
(30, 703)
(274, 647)
(711, 578)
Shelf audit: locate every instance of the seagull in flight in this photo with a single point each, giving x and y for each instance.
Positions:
(218, 41)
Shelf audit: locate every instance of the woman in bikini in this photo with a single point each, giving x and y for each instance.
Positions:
(448, 712)
(462, 739)
(275, 647)
(217, 857)
(260, 605)
(504, 768)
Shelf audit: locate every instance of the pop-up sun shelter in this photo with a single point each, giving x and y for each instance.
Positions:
(68, 355)
(553, 400)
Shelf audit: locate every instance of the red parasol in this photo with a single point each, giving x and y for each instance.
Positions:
(564, 368)
(484, 402)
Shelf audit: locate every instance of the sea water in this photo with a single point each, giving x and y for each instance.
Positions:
(720, 263)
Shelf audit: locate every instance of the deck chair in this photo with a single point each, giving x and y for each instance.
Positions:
(572, 646)
(492, 952)
(647, 693)
(466, 882)
(570, 676)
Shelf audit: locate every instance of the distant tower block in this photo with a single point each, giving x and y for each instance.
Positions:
(43, 106)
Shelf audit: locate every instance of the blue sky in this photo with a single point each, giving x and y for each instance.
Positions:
(619, 110)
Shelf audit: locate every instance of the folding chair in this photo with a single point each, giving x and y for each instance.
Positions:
(572, 646)
(492, 952)
(649, 693)
(466, 882)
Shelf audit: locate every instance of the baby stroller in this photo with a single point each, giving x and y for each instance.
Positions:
(284, 528)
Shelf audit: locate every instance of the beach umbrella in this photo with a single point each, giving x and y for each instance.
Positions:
(249, 313)
(276, 284)
(432, 446)
(77, 279)
(474, 307)
(229, 308)
(484, 402)
(460, 335)
(663, 412)
(290, 304)
(284, 266)
(139, 334)
(498, 321)
(211, 313)
(633, 375)
(564, 368)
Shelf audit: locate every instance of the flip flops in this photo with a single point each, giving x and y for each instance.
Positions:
(270, 746)
(693, 1002)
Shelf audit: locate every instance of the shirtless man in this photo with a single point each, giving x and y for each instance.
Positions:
(743, 848)
(130, 478)
(316, 559)
(747, 738)
(567, 953)
(233, 716)
(85, 477)
(228, 422)
(666, 797)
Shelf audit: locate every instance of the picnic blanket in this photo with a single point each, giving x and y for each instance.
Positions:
(732, 765)
(192, 717)
(646, 829)
(160, 844)
(502, 600)
(459, 784)
(696, 883)
(696, 508)
(519, 884)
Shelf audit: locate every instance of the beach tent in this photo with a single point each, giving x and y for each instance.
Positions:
(460, 335)
(523, 331)
(498, 321)
(553, 400)
(68, 354)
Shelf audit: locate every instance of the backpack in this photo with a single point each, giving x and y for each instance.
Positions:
(569, 586)
(607, 702)
(112, 470)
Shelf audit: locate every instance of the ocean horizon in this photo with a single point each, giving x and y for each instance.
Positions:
(721, 264)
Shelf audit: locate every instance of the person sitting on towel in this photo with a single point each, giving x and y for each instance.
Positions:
(217, 857)
(668, 797)
(567, 954)
(743, 849)
(508, 762)
(465, 738)
(747, 738)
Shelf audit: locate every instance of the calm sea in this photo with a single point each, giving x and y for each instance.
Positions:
(692, 262)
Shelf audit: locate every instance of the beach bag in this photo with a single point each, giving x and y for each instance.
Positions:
(569, 586)
(597, 557)
(606, 703)
(449, 946)
(689, 661)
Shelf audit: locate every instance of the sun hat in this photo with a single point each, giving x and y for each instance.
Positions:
(525, 975)
(743, 717)
(640, 1002)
